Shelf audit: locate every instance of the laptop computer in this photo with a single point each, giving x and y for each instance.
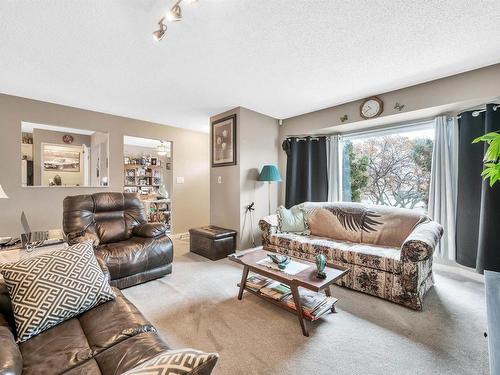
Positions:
(31, 239)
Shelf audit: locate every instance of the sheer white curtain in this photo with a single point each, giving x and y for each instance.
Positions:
(443, 188)
(334, 169)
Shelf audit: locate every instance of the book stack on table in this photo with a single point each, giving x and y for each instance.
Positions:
(276, 291)
(314, 304)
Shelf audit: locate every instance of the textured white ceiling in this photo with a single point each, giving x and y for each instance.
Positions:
(278, 57)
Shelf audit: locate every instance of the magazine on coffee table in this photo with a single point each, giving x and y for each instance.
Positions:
(276, 290)
(292, 268)
(257, 282)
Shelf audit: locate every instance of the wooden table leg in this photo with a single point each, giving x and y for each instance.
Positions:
(243, 281)
(328, 292)
(298, 307)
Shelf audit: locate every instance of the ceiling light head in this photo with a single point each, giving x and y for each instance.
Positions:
(161, 32)
(175, 13)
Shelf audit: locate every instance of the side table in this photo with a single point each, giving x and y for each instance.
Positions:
(11, 255)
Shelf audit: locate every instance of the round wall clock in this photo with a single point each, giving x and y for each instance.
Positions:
(67, 138)
(371, 107)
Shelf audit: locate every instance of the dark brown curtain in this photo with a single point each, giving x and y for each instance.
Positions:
(306, 170)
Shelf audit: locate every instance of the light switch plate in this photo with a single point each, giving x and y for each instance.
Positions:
(219, 179)
(180, 180)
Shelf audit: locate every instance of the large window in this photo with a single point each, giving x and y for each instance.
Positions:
(390, 167)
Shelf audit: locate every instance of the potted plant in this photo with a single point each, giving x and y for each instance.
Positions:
(491, 157)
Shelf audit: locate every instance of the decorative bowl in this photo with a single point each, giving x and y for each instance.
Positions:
(280, 260)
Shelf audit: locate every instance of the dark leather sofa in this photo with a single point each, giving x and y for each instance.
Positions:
(109, 339)
(134, 251)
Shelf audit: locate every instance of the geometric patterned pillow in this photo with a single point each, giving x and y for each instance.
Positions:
(176, 362)
(48, 289)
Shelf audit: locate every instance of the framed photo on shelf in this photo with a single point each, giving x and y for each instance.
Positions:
(224, 141)
(154, 161)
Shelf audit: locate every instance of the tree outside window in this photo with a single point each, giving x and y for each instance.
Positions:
(392, 170)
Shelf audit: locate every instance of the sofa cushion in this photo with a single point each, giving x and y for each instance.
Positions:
(292, 220)
(72, 346)
(356, 222)
(113, 322)
(89, 367)
(382, 258)
(135, 255)
(322, 222)
(178, 362)
(48, 289)
(342, 252)
(11, 361)
(129, 353)
(292, 241)
(56, 350)
(397, 225)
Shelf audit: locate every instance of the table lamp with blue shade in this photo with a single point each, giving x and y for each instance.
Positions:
(270, 173)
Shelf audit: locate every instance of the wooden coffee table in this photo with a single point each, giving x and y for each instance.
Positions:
(306, 279)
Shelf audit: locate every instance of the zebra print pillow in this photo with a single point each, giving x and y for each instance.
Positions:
(48, 289)
(177, 362)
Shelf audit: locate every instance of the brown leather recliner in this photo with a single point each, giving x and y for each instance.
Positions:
(134, 251)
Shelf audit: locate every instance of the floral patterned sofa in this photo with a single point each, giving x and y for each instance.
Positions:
(389, 250)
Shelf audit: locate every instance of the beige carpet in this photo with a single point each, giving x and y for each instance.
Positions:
(197, 307)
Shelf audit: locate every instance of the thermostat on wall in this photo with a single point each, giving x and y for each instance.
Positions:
(180, 180)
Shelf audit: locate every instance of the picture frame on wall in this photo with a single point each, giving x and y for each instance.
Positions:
(224, 141)
(60, 158)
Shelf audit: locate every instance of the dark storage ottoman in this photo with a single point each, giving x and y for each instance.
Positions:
(212, 242)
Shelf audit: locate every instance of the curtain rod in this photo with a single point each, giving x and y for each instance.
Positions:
(476, 112)
(312, 136)
(373, 129)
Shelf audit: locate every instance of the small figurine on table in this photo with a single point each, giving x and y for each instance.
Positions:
(320, 265)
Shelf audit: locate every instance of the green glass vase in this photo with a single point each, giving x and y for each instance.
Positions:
(320, 265)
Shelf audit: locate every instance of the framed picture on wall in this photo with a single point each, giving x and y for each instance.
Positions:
(61, 158)
(224, 141)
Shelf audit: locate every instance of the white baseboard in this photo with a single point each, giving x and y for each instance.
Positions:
(179, 236)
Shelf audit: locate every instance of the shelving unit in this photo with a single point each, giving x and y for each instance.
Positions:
(136, 175)
(146, 172)
(158, 211)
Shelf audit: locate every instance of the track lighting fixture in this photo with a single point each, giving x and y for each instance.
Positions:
(174, 15)
(161, 32)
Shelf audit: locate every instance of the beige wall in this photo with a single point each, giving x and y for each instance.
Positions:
(257, 139)
(43, 205)
(446, 95)
(225, 197)
(258, 147)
